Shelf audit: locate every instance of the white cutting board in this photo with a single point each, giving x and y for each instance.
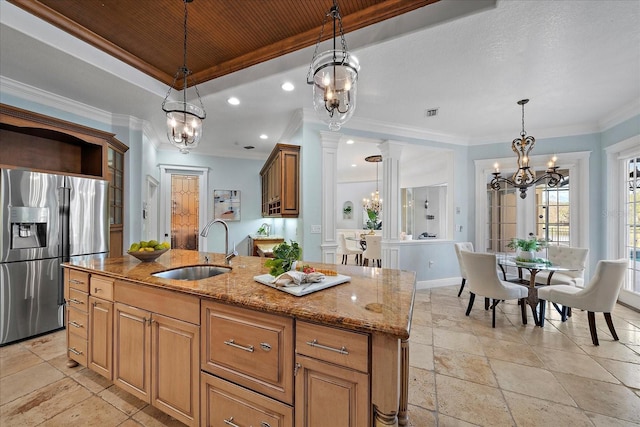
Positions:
(305, 288)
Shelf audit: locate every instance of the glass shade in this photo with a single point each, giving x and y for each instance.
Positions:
(335, 78)
(184, 124)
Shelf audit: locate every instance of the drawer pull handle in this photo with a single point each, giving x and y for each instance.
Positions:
(75, 301)
(241, 347)
(265, 346)
(314, 343)
(74, 351)
(96, 290)
(263, 424)
(76, 281)
(76, 324)
(230, 422)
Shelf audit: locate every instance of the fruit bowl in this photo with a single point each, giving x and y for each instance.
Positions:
(147, 256)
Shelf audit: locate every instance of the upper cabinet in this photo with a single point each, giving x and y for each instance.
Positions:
(280, 178)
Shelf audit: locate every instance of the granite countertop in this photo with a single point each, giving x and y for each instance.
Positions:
(348, 305)
(264, 237)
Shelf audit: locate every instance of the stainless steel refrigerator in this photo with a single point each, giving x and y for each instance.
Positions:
(46, 220)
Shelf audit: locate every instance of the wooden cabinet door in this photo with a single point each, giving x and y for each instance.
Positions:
(328, 395)
(100, 336)
(175, 358)
(132, 350)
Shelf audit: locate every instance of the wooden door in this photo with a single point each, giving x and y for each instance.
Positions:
(175, 358)
(328, 395)
(132, 350)
(100, 339)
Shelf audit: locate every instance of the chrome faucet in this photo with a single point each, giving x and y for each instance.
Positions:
(267, 228)
(227, 255)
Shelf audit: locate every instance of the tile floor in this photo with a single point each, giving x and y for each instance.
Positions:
(463, 373)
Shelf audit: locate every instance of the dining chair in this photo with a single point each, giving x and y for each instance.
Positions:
(345, 250)
(598, 296)
(482, 279)
(373, 251)
(462, 246)
(569, 257)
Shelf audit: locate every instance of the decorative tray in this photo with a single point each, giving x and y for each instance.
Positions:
(305, 288)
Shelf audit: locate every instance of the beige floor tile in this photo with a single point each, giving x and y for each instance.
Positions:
(625, 372)
(510, 351)
(603, 398)
(43, 403)
(446, 421)
(94, 382)
(422, 388)
(459, 341)
(421, 356)
(471, 402)
(599, 420)
(420, 417)
(535, 382)
(421, 317)
(576, 364)
(27, 381)
(629, 336)
(130, 423)
(423, 295)
(122, 400)
(421, 334)
(449, 300)
(465, 366)
(90, 412)
(532, 412)
(450, 323)
(512, 334)
(549, 338)
(16, 361)
(60, 363)
(611, 350)
(448, 310)
(48, 346)
(152, 417)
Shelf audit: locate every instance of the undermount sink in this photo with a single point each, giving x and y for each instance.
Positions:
(194, 272)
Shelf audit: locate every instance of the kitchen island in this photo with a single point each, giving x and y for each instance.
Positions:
(229, 349)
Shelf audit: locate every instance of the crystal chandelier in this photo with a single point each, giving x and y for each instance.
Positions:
(374, 204)
(184, 120)
(334, 76)
(524, 178)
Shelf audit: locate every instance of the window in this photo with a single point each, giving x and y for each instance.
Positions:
(553, 212)
(632, 224)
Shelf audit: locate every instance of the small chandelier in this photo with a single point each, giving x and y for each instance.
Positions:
(375, 203)
(184, 120)
(523, 178)
(335, 77)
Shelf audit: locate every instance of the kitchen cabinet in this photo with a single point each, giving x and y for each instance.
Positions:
(332, 376)
(156, 357)
(263, 245)
(280, 182)
(100, 335)
(76, 296)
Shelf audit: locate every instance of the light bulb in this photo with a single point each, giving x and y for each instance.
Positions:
(326, 80)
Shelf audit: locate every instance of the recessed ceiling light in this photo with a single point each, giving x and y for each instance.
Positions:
(349, 141)
(353, 165)
(263, 136)
(288, 86)
(233, 101)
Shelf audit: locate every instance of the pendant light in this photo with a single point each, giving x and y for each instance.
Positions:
(184, 120)
(334, 76)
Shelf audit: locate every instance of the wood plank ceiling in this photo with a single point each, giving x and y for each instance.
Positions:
(224, 36)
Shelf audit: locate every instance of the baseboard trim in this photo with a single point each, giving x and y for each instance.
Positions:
(438, 283)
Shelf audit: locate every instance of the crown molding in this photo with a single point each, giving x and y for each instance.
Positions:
(620, 115)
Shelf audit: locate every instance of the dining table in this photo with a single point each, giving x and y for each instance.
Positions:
(533, 267)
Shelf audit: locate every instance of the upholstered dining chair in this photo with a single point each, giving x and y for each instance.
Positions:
(569, 257)
(599, 295)
(346, 250)
(462, 246)
(373, 251)
(482, 279)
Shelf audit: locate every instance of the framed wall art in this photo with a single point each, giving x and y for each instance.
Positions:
(226, 205)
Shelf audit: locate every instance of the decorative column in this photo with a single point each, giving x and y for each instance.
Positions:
(391, 208)
(329, 244)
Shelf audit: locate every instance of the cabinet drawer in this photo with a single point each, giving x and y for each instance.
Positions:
(77, 349)
(250, 348)
(345, 348)
(172, 304)
(78, 280)
(77, 322)
(101, 287)
(224, 403)
(78, 300)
